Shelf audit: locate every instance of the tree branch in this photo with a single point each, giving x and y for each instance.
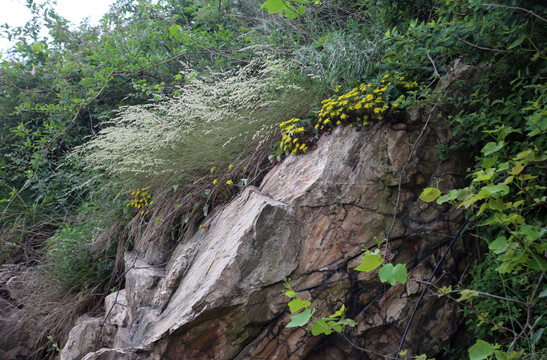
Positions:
(517, 8)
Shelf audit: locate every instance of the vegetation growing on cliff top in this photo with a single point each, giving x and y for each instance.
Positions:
(159, 93)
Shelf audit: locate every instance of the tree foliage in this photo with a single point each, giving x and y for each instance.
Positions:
(137, 94)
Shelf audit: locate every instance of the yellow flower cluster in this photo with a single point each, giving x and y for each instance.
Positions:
(367, 101)
(291, 140)
(140, 200)
(356, 107)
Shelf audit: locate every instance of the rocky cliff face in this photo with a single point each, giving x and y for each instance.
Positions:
(220, 294)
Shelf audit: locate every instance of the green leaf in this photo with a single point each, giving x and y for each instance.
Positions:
(516, 42)
(348, 322)
(300, 319)
(537, 335)
(339, 312)
(393, 274)
(491, 147)
(517, 169)
(481, 350)
(500, 355)
(467, 294)
(449, 196)
(274, 6)
(370, 262)
(484, 176)
(500, 189)
(499, 245)
(174, 31)
(298, 304)
(496, 204)
(430, 194)
(537, 262)
(543, 293)
(290, 293)
(320, 327)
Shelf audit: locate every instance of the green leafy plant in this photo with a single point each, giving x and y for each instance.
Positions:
(302, 314)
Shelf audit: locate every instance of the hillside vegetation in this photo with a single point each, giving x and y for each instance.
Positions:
(143, 124)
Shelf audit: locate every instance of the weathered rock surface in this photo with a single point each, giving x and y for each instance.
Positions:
(219, 297)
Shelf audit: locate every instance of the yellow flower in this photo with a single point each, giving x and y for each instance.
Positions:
(230, 166)
(229, 182)
(245, 168)
(215, 181)
(338, 123)
(213, 169)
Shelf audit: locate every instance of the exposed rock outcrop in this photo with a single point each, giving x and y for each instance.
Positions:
(220, 295)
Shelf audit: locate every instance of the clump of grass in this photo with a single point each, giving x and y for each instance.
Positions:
(223, 120)
(342, 56)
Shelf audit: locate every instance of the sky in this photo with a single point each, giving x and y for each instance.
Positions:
(15, 13)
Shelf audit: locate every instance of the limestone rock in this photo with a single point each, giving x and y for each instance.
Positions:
(220, 295)
(82, 338)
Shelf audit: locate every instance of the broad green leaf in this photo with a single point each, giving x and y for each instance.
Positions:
(531, 232)
(501, 189)
(320, 327)
(393, 274)
(517, 169)
(500, 355)
(174, 31)
(449, 196)
(300, 319)
(496, 204)
(521, 155)
(499, 245)
(370, 262)
(537, 262)
(274, 6)
(481, 350)
(334, 325)
(482, 208)
(348, 322)
(430, 194)
(290, 293)
(484, 176)
(543, 293)
(298, 304)
(492, 147)
(467, 294)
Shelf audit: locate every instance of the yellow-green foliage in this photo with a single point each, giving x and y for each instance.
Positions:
(140, 200)
(362, 104)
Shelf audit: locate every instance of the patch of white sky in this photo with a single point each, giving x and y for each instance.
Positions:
(15, 13)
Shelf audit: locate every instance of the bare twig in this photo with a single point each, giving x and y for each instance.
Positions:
(517, 8)
(489, 49)
(434, 67)
(366, 350)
